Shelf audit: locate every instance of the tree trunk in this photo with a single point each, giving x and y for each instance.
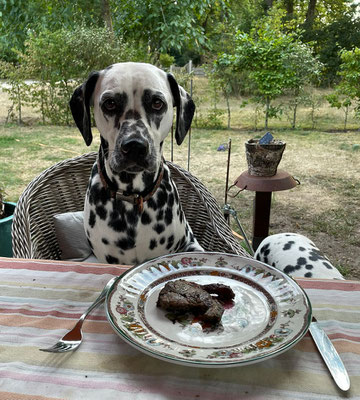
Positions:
(267, 113)
(19, 106)
(228, 109)
(289, 5)
(346, 117)
(106, 14)
(268, 5)
(310, 14)
(294, 115)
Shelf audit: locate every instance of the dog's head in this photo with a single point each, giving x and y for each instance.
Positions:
(133, 110)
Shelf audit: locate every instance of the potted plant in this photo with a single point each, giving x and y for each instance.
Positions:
(6, 215)
(264, 155)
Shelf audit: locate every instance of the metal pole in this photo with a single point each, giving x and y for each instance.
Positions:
(191, 92)
(227, 171)
(172, 143)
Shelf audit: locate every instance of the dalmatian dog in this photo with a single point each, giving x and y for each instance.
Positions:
(297, 256)
(132, 211)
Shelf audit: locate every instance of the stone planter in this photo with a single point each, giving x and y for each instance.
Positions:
(263, 159)
(5, 230)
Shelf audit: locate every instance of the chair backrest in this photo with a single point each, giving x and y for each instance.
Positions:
(61, 188)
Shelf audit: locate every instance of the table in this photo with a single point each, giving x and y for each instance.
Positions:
(41, 300)
(263, 186)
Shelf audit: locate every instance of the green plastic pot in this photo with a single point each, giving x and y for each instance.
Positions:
(5, 230)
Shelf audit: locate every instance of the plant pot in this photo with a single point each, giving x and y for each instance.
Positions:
(5, 230)
(263, 159)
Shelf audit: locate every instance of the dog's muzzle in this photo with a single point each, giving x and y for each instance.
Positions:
(133, 149)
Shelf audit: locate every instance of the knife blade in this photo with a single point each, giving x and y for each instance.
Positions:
(330, 355)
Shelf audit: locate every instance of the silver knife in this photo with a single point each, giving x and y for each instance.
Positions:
(330, 355)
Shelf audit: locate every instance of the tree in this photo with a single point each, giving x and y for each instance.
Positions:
(166, 26)
(269, 54)
(306, 68)
(20, 18)
(349, 85)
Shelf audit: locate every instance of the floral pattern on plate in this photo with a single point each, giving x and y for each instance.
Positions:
(270, 312)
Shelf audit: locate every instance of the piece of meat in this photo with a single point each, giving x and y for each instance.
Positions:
(224, 293)
(181, 296)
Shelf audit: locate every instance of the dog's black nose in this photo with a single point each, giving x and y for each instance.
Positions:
(134, 148)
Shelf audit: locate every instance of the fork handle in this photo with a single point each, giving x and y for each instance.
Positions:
(96, 303)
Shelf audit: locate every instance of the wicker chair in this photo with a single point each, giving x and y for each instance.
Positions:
(61, 188)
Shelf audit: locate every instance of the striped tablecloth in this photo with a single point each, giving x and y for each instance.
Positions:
(41, 300)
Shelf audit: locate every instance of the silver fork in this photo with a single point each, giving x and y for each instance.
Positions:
(72, 340)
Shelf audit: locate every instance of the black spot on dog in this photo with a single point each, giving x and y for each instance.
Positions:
(152, 203)
(308, 275)
(132, 217)
(159, 228)
(315, 255)
(98, 195)
(148, 179)
(327, 265)
(145, 218)
(153, 244)
(170, 242)
(264, 248)
(288, 269)
(127, 178)
(168, 216)
(162, 240)
(287, 246)
(117, 222)
(125, 243)
(112, 260)
(161, 198)
(105, 241)
(302, 248)
(171, 200)
(301, 261)
(309, 266)
(177, 200)
(266, 260)
(258, 257)
(101, 212)
(160, 215)
(266, 252)
(92, 218)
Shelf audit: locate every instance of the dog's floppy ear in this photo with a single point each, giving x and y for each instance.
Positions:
(185, 109)
(80, 106)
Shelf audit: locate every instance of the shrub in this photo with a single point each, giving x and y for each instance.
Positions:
(58, 61)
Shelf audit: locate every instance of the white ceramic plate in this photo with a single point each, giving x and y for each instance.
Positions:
(270, 312)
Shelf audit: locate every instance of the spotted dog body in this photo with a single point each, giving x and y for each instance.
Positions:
(132, 210)
(297, 256)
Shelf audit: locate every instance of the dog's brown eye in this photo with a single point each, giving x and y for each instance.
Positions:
(157, 104)
(109, 105)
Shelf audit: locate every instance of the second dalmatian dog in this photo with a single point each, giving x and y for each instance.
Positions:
(297, 256)
(132, 211)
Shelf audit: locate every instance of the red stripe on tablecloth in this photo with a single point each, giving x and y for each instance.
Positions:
(52, 313)
(343, 336)
(64, 267)
(329, 285)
